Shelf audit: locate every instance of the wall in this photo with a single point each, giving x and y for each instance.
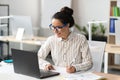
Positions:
(26, 8)
(88, 10)
(84, 11)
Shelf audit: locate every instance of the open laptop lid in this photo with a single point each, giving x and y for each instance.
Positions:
(26, 62)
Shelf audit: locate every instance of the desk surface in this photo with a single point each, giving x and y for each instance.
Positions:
(112, 48)
(109, 76)
(7, 73)
(34, 41)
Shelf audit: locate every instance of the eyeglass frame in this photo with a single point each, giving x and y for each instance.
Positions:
(57, 27)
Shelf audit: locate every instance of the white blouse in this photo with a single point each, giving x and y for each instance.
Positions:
(73, 51)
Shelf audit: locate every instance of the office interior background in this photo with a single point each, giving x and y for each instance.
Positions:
(84, 12)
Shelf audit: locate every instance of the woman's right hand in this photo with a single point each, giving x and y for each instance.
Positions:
(49, 67)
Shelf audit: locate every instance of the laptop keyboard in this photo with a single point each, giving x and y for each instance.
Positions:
(44, 72)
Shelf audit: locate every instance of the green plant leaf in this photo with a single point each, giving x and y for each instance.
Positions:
(102, 28)
(78, 27)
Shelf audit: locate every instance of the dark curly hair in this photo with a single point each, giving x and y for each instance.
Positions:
(65, 16)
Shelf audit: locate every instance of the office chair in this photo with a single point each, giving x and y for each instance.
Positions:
(97, 51)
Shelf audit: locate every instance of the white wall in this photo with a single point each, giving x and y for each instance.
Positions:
(84, 11)
(26, 8)
(88, 10)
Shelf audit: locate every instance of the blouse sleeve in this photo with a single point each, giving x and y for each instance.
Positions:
(86, 57)
(43, 53)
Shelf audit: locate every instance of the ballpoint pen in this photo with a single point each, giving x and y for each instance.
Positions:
(72, 62)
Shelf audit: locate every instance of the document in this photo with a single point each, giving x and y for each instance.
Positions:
(84, 76)
(78, 75)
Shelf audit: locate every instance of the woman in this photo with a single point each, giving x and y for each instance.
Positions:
(68, 49)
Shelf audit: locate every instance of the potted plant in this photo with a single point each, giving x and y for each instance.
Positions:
(98, 31)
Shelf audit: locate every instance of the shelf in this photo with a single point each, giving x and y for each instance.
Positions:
(4, 22)
(113, 3)
(117, 17)
(115, 66)
(112, 34)
(113, 0)
(2, 25)
(5, 17)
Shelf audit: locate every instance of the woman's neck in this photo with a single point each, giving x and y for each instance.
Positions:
(66, 37)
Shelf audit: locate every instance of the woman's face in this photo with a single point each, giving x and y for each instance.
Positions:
(60, 29)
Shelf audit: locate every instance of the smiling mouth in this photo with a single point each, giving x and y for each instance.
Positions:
(58, 34)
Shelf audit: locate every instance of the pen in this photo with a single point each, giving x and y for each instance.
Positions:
(72, 62)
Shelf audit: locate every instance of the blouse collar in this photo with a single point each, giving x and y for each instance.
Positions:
(71, 35)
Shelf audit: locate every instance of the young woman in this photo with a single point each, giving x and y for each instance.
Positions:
(68, 49)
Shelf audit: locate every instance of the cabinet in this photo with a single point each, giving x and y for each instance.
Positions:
(114, 15)
(4, 29)
(4, 17)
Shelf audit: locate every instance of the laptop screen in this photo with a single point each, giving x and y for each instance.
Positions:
(26, 62)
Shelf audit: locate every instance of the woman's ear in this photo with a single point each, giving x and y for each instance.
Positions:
(68, 24)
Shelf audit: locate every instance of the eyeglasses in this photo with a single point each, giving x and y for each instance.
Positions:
(52, 27)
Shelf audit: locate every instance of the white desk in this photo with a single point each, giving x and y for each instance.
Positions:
(34, 41)
(7, 73)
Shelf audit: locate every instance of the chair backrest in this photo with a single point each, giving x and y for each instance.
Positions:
(97, 51)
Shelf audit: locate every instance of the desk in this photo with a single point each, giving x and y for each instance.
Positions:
(7, 73)
(34, 41)
(110, 48)
(109, 76)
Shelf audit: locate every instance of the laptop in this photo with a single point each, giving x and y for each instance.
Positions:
(26, 63)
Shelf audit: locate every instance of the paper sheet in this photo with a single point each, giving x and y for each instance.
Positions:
(77, 75)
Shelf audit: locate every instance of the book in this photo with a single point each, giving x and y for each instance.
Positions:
(112, 25)
(111, 11)
(116, 11)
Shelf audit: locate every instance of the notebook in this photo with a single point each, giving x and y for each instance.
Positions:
(26, 63)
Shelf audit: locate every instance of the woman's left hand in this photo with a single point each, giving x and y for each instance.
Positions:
(70, 69)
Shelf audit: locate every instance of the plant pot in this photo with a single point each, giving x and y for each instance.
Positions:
(98, 38)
